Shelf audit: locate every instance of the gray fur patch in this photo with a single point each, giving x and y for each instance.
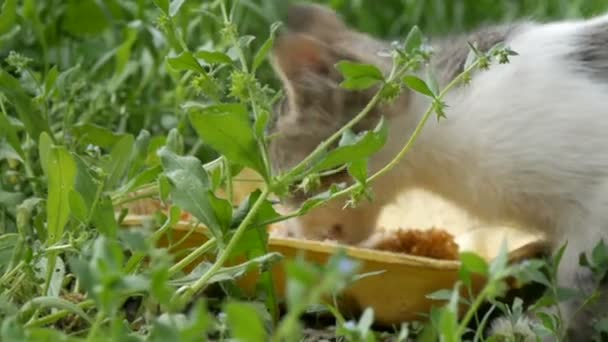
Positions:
(451, 52)
(591, 51)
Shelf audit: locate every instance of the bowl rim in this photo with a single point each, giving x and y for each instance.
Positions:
(535, 247)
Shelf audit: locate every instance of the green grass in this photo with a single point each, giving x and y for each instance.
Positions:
(104, 102)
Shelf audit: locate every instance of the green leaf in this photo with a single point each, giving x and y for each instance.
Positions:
(360, 83)
(245, 41)
(10, 199)
(178, 327)
(358, 70)
(142, 178)
(29, 114)
(8, 17)
(57, 303)
(7, 152)
(8, 243)
(474, 263)
(471, 263)
(123, 53)
(185, 61)
(54, 269)
(358, 170)
(366, 321)
(103, 217)
(163, 5)
(120, 159)
(531, 272)
(66, 79)
(96, 135)
(448, 325)
(265, 213)
(229, 273)
(84, 18)
(413, 41)
(227, 129)
(557, 258)
(245, 323)
(61, 170)
(175, 6)
(548, 320)
(441, 295)
(260, 56)
(599, 255)
(448, 320)
(8, 131)
(601, 326)
(44, 148)
(213, 57)
(191, 189)
(49, 81)
(431, 81)
(222, 209)
(260, 124)
(499, 264)
(78, 207)
(358, 76)
(140, 153)
(359, 147)
(175, 141)
(418, 85)
(84, 184)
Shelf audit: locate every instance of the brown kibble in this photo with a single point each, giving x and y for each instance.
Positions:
(432, 243)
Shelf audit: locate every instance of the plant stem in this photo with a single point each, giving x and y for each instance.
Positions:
(96, 324)
(245, 68)
(223, 256)
(206, 247)
(135, 198)
(12, 272)
(89, 303)
(136, 258)
(472, 311)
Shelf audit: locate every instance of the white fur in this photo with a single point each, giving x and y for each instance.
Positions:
(525, 142)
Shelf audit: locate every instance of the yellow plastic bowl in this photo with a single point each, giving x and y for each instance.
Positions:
(398, 294)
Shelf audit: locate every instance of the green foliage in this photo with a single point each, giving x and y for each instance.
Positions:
(104, 103)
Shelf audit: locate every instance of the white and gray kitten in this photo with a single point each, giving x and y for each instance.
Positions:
(524, 143)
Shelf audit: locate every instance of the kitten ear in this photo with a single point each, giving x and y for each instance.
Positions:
(315, 20)
(296, 54)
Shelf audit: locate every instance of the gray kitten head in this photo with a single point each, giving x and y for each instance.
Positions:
(315, 105)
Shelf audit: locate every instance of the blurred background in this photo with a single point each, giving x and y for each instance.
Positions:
(393, 18)
(121, 81)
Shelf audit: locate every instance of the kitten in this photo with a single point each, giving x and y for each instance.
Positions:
(523, 143)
